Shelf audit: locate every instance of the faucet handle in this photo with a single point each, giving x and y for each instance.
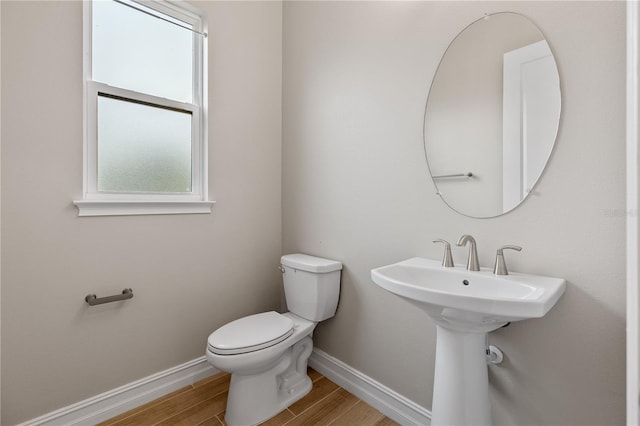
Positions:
(447, 260)
(500, 267)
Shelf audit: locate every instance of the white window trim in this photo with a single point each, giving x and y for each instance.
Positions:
(96, 203)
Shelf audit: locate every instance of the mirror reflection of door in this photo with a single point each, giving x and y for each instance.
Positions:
(531, 97)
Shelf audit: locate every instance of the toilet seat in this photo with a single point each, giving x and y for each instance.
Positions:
(250, 334)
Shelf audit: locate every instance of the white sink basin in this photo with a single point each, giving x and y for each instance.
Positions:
(469, 301)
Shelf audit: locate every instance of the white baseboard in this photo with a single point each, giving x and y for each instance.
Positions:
(117, 401)
(387, 401)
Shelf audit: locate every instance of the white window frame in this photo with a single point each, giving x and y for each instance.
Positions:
(98, 203)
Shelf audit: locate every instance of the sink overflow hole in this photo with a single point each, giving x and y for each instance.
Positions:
(465, 282)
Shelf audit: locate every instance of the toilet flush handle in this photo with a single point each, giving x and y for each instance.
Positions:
(281, 268)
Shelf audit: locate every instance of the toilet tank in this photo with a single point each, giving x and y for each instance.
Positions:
(311, 285)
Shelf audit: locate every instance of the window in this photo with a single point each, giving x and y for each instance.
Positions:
(145, 123)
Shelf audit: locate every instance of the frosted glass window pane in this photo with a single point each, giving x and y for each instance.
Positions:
(142, 148)
(139, 52)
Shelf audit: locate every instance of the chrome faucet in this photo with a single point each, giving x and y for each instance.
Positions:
(472, 262)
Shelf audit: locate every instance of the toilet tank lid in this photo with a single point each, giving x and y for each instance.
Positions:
(308, 263)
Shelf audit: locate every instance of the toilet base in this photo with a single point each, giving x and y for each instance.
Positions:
(255, 398)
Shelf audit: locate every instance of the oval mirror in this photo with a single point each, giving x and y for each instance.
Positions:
(492, 115)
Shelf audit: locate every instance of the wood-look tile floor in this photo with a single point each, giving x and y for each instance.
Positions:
(204, 402)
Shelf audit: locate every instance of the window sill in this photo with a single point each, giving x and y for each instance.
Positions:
(133, 208)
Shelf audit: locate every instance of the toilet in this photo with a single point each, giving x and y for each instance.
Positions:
(267, 353)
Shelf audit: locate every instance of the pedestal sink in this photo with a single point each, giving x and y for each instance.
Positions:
(465, 307)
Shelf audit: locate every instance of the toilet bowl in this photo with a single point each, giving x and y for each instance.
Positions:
(267, 353)
(265, 381)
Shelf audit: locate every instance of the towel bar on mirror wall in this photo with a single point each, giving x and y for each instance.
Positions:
(93, 300)
(468, 174)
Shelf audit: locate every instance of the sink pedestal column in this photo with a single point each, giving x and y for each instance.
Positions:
(461, 382)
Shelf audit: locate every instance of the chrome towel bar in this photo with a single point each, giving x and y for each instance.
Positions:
(468, 174)
(93, 300)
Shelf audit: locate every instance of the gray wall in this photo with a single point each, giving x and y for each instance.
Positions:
(355, 188)
(189, 273)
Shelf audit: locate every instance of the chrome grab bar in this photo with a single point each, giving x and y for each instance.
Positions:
(93, 300)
